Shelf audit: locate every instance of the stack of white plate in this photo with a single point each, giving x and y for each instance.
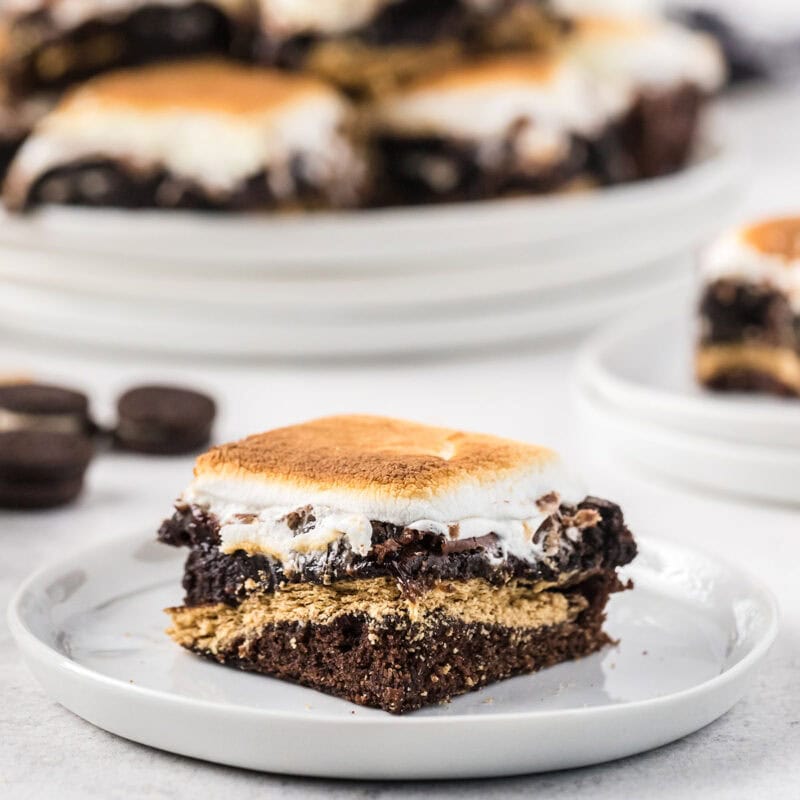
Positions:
(356, 283)
(636, 390)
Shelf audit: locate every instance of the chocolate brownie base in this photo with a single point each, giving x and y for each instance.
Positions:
(659, 132)
(424, 170)
(153, 32)
(414, 559)
(399, 664)
(104, 183)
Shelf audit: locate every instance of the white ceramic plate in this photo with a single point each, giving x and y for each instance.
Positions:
(746, 471)
(384, 240)
(692, 632)
(330, 293)
(621, 366)
(172, 326)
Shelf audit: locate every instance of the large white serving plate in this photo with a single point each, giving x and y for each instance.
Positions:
(423, 238)
(169, 325)
(692, 633)
(644, 368)
(331, 293)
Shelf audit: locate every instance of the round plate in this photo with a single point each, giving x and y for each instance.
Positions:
(175, 328)
(680, 206)
(692, 632)
(618, 365)
(744, 470)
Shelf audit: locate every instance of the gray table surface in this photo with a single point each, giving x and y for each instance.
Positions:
(752, 752)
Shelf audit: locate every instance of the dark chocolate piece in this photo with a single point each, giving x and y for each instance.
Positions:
(416, 560)
(36, 406)
(400, 665)
(164, 420)
(41, 469)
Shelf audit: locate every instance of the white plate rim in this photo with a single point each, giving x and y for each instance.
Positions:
(33, 647)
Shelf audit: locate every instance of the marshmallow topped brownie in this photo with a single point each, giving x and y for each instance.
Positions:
(499, 126)
(370, 46)
(51, 43)
(197, 134)
(389, 563)
(660, 75)
(750, 309)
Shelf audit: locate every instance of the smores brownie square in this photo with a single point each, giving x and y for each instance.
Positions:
(202, 134)
(750, 309)
(390, 563)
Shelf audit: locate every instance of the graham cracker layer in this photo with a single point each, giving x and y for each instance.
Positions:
(515, 605)
(781, 364)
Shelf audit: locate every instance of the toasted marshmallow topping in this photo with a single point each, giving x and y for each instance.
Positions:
(212, 122)
(629, 54)
(69, 14)
(766, 252)
(549, 98)
(430, 479)
(285, 18)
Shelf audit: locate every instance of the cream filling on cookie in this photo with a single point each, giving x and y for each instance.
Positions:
(54, 423)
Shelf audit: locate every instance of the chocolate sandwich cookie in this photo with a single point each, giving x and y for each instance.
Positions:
(253, 138)
(41, 407)
(164, 420)
(750, 310)
(392, 564)
(41, 469)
